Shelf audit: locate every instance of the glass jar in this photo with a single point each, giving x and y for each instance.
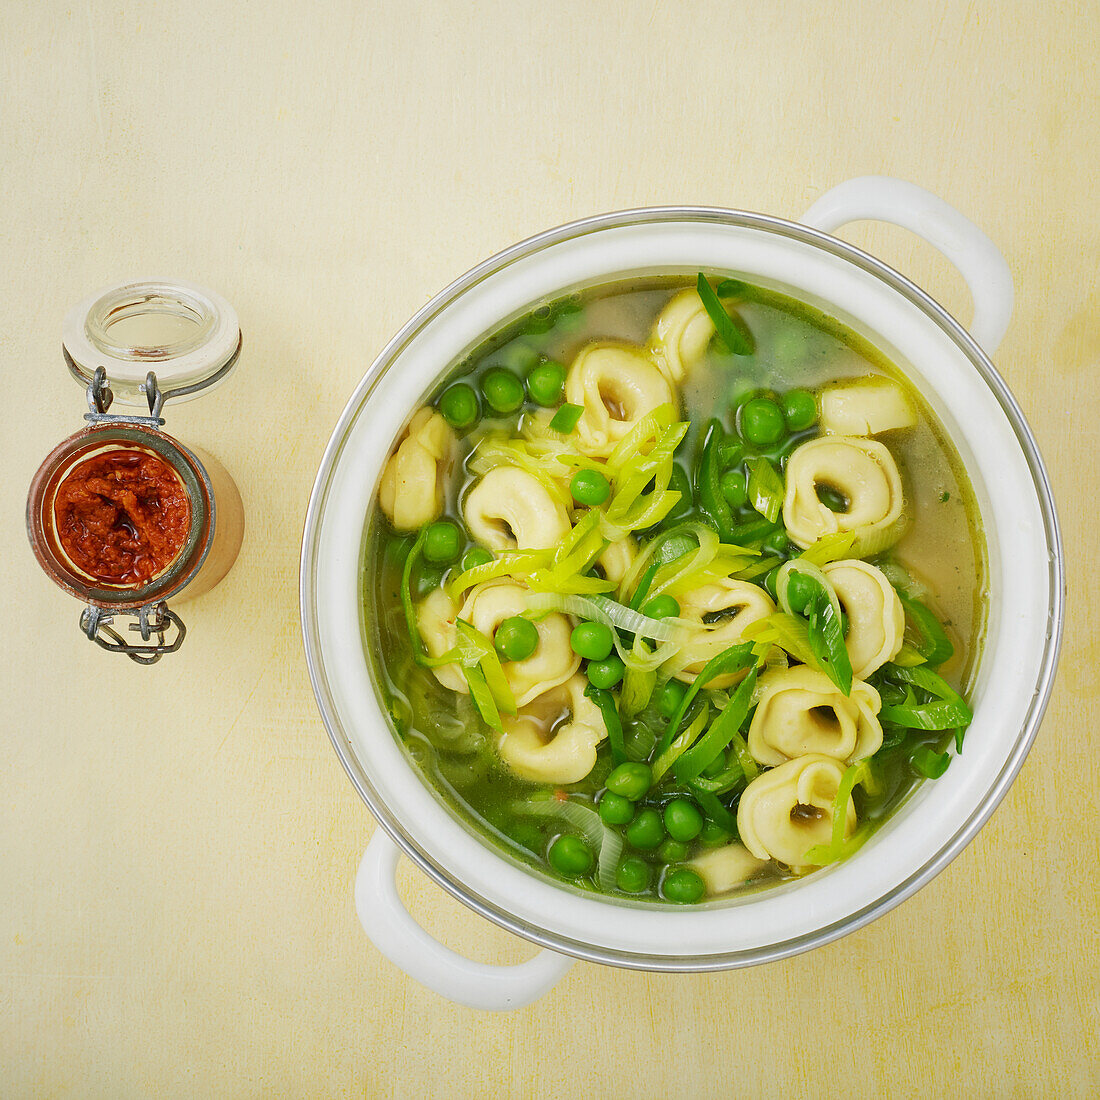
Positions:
(121, 515)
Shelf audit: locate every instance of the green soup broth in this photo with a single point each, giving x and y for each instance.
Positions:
(793, 346)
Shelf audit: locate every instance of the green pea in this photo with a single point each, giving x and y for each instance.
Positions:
(545, 381)
(502, 390)
(518, 356)
(799, 410)
(569, 855)
(592, 641)
(590, 487)
(661, 607)
(668, 697)
(762, 421)
(475, 556)
(631, 780)
(800, 591)
(683, 820)
(606, 673)
(673, 851)
(516, 638)
(459, 406)
(713, 835)
(769, 583)
(715, 767)
(683, 886)
(632, 876)
(442, 541)
(614, 809)
(777, 542)
(734, 489)
(539, 321)
(645, 832)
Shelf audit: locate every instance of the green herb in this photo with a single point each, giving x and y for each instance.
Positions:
(482, 697)
(838, 847)
(732, 336)
(406, 595)
(729, 660)
(926, 634)
(708, 488)
(565, 419)
(606, 702)
(929, 763)
(827, 642)
(723, 730)
(765, 488)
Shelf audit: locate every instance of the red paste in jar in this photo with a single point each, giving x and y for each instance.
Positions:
(122, 516)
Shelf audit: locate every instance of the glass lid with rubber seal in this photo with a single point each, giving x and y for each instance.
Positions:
(188, 335)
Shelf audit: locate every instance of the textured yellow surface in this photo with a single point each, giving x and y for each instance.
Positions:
(177, 844)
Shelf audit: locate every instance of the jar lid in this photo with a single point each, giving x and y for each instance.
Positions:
(188, 335)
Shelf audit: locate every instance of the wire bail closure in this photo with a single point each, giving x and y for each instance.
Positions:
(152, 619)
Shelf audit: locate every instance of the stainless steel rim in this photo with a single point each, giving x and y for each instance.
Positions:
(1055, 615)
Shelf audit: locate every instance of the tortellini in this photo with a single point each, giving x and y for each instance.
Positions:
(800, 710)
(553, 661)
(617, 559)
(862, 470)
(411, 489)
(724, 869)
(788, 810)
(865, 408)
(717, 615)
(680, 335)
(553, 738)
(435, 619)
(485, 608)
(876, 619)
(510, 508)
(617, 385)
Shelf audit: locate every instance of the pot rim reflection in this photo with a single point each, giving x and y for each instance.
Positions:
(841, 251)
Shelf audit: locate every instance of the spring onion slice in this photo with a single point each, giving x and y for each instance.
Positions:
(789, 632)
(928, 637)
(515, 563)
(929, 763)
(645, 431)
(723, 782)
(806, 569)
(827, 643)
(479, 650)
(607, 842)
(822, 854)
(947, 710)
(482, 696)
(406, 596)
(830, 548)
(602, 609)
(566, 418)
(733, 659)
(723, 730)
(713, 807)
(606, 702)
(765, 488)
(732, 336)
(679, 745)
(908, 657)
(637, 690)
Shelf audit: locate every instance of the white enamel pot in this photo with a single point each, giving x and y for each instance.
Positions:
(952, 369)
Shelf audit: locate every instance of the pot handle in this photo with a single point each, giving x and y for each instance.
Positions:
(882, 198)
(393, 931)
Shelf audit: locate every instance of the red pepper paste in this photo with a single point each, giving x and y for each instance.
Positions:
(122, 517)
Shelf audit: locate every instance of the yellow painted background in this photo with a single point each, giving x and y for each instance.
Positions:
(177, 843)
